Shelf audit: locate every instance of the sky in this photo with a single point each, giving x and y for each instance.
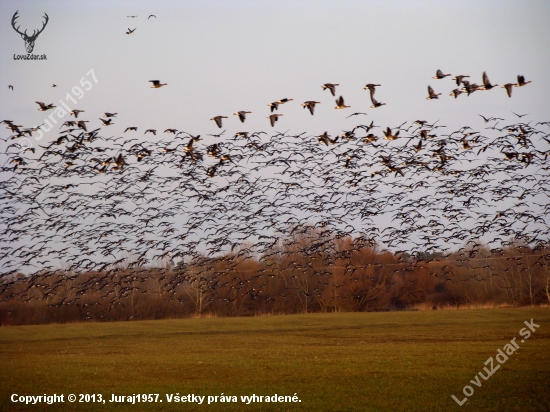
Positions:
(219, 57)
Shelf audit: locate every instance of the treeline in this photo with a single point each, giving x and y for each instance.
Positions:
(301, 277)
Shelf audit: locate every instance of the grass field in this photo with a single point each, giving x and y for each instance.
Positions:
(396, 361)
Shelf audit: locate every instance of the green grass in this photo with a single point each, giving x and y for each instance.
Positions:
(398, 361)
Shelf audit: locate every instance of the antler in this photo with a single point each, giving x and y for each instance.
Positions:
(35, 34)
(15, 16)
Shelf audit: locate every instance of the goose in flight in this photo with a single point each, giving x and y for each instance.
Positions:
(488, 119)
(157, 84)
(520, 115)
(151, 15)
(213, 150)
(273, 118)
(75, 112)
(275, 105)
(310, 104)
(375, 103)
(10, 87)
(110, 114)
(331, 87)
(130, 31)
(370, 138)
(189, 148)
(242, 115)
(356, 114)
(44, 107)
(432, 94)
(82, 124)
(285, 100)
(486, 83)
(439, 75)
(218, 120)
(106, 122)
(389, 135)
(455, 93)
(340, 103)
(151, 131)
(325, 139)
(470, 88)
(119, 162)
(371, 87)
(459, 79)
(131, 128)
(521, 81)
(508, 87)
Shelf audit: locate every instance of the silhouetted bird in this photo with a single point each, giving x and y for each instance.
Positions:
(439, 75)
(431, 94)
(156, 84)
(310, 104)
(331, 87)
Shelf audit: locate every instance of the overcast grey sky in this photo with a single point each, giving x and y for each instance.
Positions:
(222, 56)
(219, 57)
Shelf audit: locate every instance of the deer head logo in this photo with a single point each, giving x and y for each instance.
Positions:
(29, 40)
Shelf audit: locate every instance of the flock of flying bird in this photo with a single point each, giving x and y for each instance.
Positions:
(130, 31)
(469, 88)
(109, 204)
(309, 104)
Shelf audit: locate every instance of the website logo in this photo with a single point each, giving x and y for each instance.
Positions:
(29, 40)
